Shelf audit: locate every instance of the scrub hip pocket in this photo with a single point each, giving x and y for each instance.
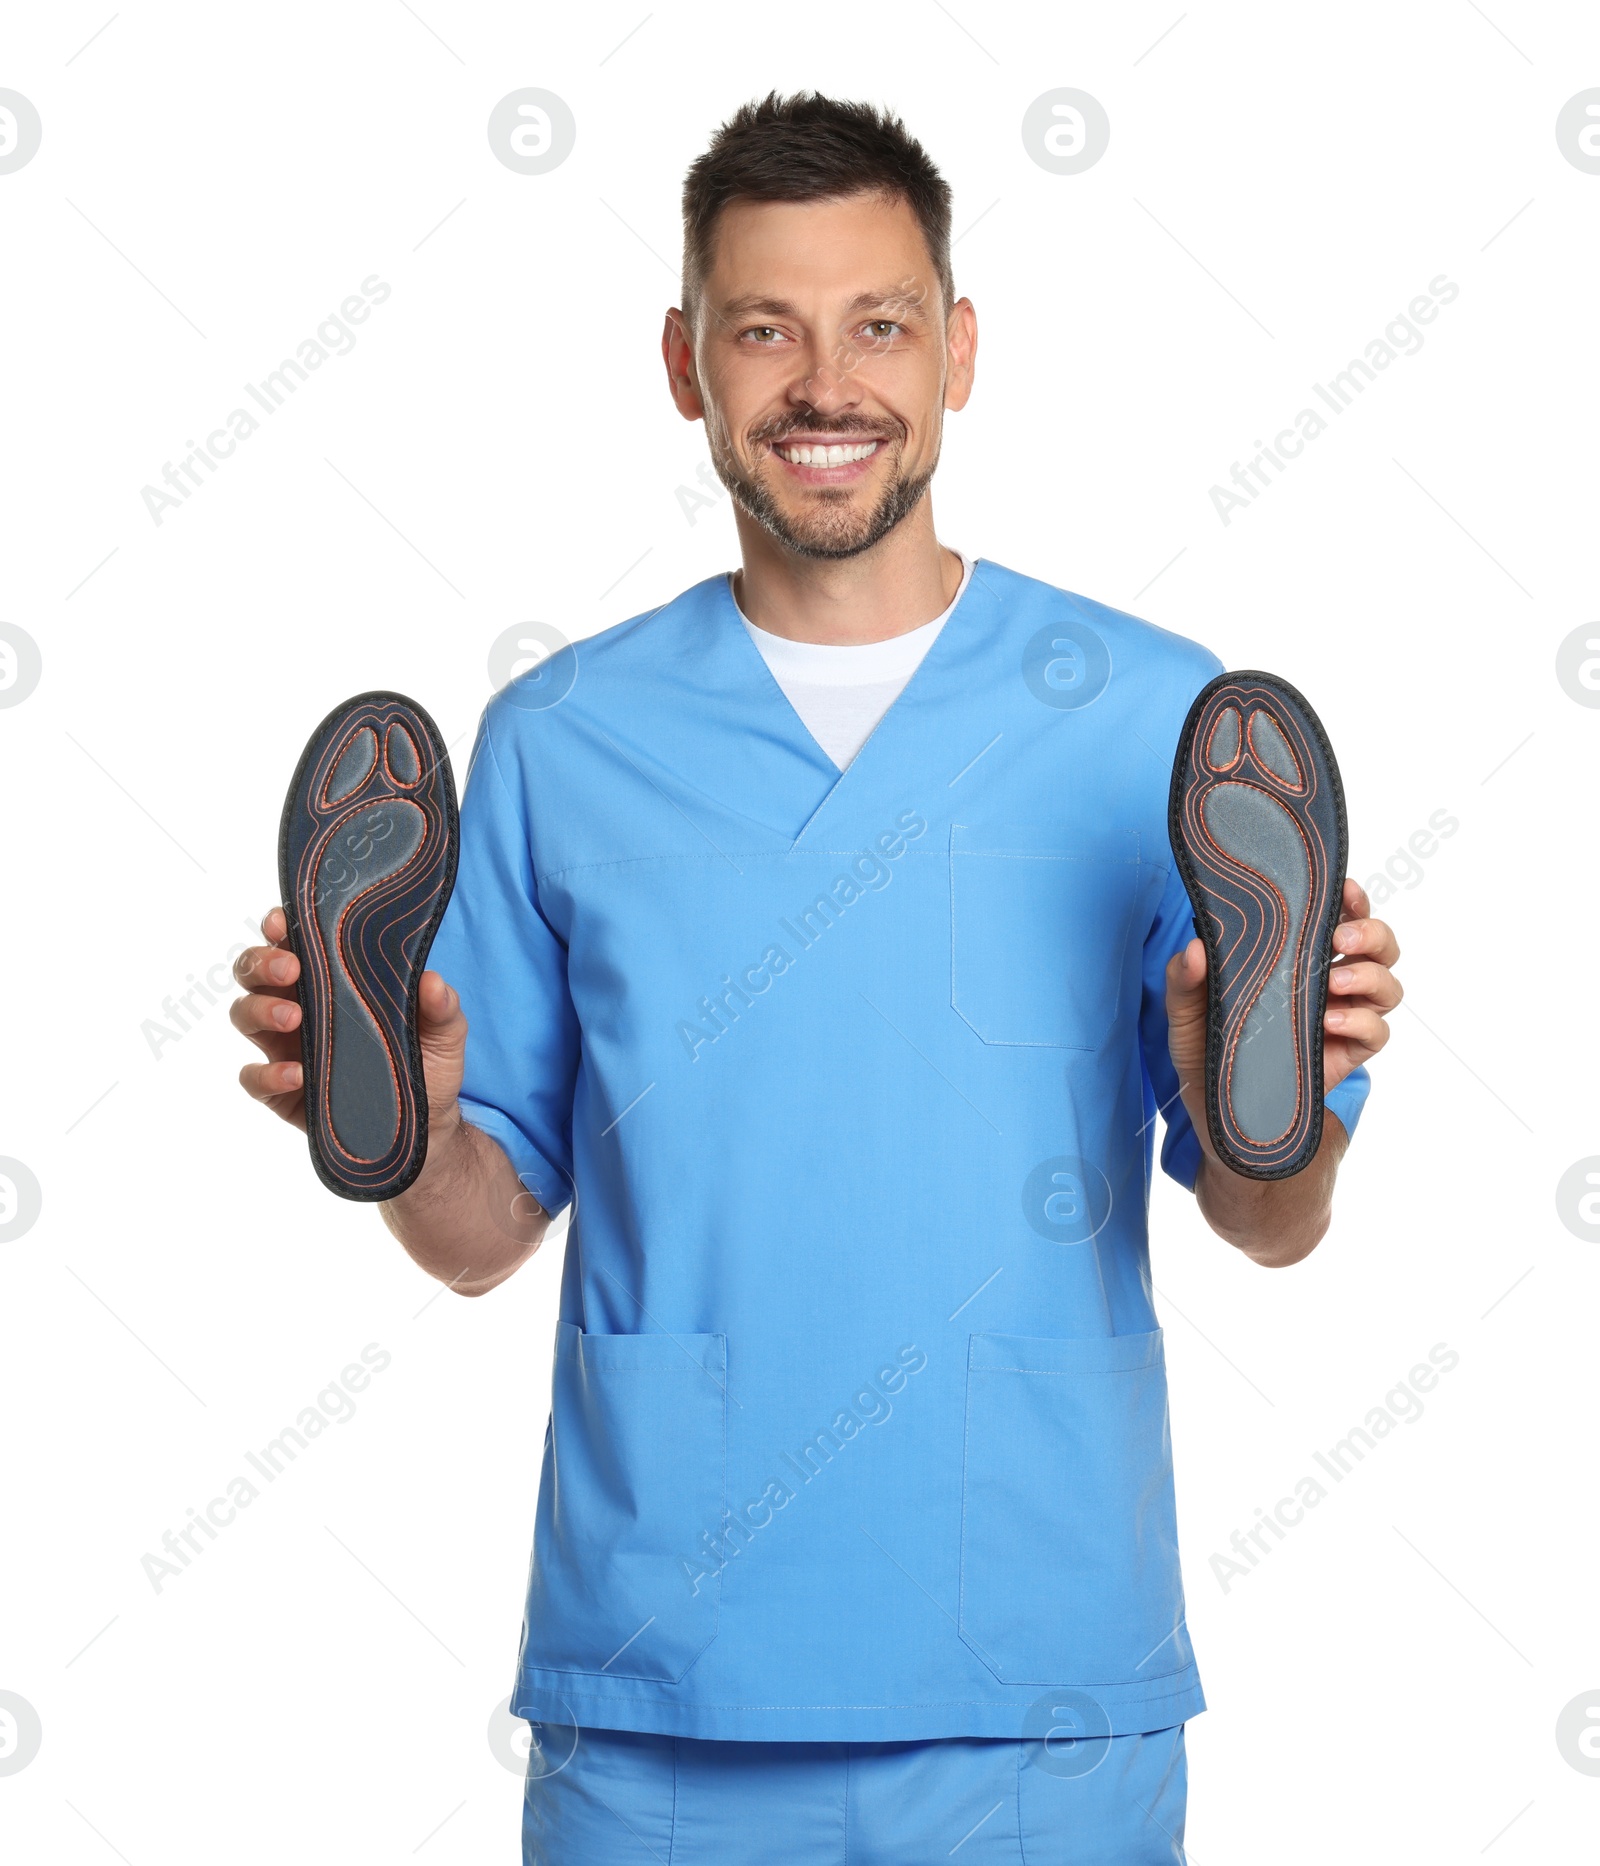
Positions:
(632, 1487)
(1069, 1543)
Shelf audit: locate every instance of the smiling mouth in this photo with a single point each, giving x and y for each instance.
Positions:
(825, 453)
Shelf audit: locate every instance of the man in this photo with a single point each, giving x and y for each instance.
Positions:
(817, 938)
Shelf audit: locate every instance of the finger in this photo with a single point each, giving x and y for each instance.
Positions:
(1356, 906)
(275, 925)
(1360, 1027)
(267, 1081)
(1365, 978)
(266, 968)
(263, 1013)
(1367, 939)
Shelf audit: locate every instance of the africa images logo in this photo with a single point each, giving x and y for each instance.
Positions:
(332, 337)
(870, 1404)
(1399, 337)
(869, 873)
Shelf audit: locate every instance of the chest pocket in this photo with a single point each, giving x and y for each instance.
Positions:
(1040, 924)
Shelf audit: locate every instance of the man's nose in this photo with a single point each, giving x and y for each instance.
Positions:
(823, 381)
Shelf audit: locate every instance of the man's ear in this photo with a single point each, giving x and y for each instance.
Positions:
(677, 354)
(961, 350)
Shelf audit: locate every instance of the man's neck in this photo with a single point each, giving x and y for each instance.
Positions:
(905, 580)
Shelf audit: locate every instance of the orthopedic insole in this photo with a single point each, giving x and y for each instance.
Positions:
(366, 862)
(1257, 825)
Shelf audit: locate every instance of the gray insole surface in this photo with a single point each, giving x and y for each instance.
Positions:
(1255, 828)
(1224, 746)
(1272, 748)
(357, 759)
(363, 1106)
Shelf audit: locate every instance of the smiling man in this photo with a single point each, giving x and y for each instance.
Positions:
(818, 941)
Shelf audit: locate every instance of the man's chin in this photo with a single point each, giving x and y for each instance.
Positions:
(840, 534)
(817, 542)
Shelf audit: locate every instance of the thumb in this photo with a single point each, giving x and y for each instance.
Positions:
(1186, 981)
(442, 1034)
(1186, 1019)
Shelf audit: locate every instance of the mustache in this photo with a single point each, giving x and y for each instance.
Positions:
(776, 436)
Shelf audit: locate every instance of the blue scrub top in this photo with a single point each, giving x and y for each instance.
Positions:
(859, 1417)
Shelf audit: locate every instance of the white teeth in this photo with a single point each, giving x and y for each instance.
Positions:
(827, 456)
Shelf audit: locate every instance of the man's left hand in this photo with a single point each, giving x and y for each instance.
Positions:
(1279, 1221)
(1362, 990)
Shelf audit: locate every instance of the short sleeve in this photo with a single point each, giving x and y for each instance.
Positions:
(1349, 1098)
(1170, 932)
(498, 951)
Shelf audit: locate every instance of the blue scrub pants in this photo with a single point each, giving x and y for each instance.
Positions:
(623, 1798)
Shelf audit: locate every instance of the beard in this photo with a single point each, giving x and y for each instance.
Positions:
(831, 524)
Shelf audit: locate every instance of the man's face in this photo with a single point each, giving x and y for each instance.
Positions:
(821, 366)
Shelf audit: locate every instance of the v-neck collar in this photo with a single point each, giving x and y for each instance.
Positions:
(926, 679)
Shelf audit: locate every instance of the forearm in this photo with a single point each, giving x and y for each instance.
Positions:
(467, 1219)
(1275, 1222)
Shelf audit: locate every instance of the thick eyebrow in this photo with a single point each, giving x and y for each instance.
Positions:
(752, 303)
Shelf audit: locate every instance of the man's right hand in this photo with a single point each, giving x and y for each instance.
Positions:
(269, 1015)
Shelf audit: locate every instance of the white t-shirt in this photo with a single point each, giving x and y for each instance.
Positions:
(841, 693)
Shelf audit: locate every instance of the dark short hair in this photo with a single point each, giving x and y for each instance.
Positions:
(810, 148)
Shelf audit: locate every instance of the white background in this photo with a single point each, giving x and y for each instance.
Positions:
(498, 447)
